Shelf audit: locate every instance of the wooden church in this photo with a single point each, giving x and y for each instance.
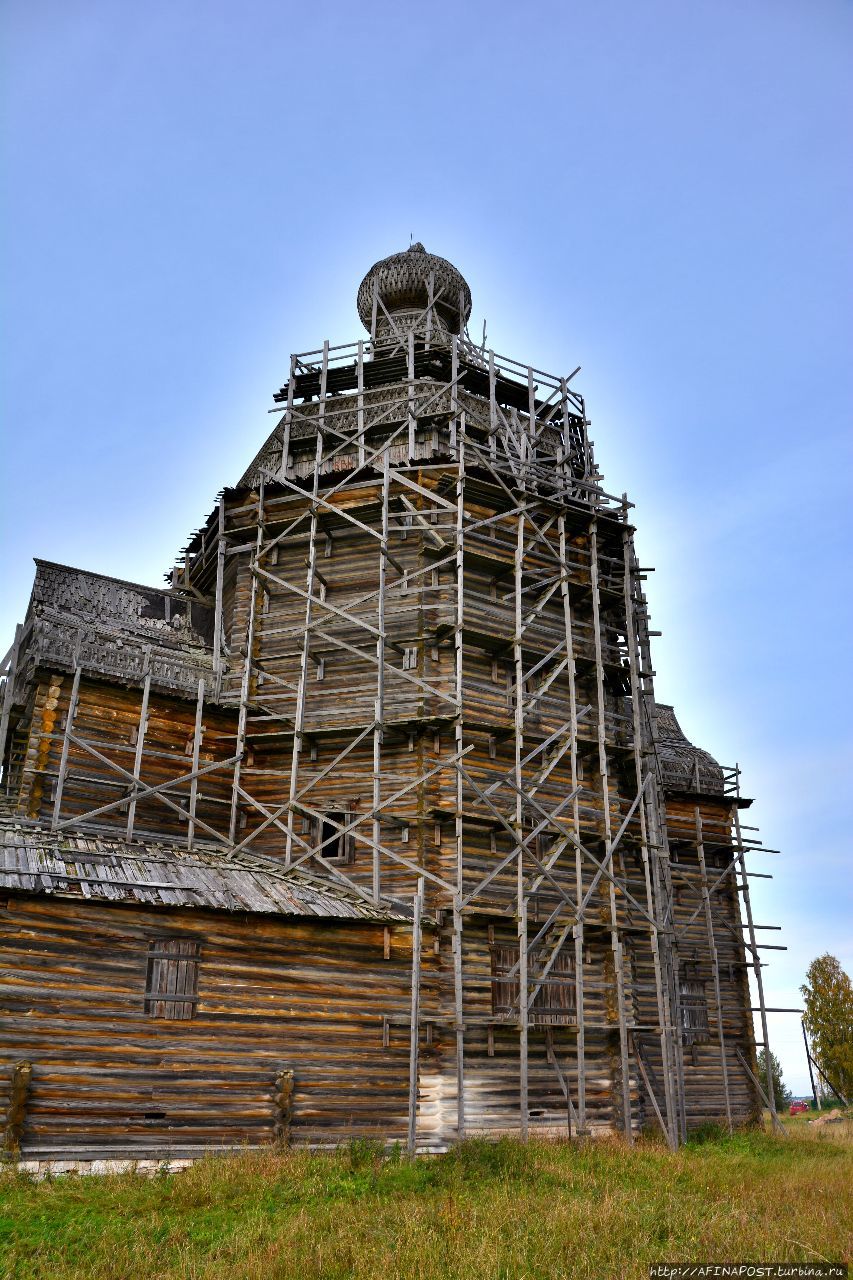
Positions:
(369, 822)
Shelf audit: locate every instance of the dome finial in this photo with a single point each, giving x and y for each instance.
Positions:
(417, 290)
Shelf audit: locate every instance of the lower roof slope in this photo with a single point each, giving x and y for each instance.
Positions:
(105, 869)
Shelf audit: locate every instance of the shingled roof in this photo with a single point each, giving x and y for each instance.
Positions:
(100, 869)
(683, 766)
(114, 629)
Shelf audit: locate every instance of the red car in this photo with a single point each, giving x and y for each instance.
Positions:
(797, 1108)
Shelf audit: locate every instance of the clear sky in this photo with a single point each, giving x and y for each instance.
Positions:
(659, 192)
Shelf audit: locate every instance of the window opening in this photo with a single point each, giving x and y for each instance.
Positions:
(171, 980)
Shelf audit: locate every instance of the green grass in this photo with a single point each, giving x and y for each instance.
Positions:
(482, 1211)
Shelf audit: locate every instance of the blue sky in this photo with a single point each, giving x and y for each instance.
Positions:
(659, 192)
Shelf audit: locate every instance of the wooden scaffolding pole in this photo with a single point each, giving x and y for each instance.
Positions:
(299, 717)
(578, 928)
(11, 665)
(603, 768)
(518, 744)
(66, 738)
(142, 729)
(740, 859)
(458, 654)
(647, 812)
(414, 1025)
(248, 659)
(715, 961)
(198, 733)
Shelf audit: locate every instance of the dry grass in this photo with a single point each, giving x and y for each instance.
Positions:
(484, 1211)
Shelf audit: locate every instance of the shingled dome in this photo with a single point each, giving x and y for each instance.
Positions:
(402, 282)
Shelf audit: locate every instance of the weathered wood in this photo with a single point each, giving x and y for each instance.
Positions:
(16, 1113)
(414, 1028)
(409, 648)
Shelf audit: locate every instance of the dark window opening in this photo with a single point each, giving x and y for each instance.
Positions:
(172, 978)
(554, 1001)
(339, 848)
(694, 1006)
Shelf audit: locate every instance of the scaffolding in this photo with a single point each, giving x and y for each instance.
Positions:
(432, 643)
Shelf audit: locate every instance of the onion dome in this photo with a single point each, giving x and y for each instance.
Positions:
(404, 283)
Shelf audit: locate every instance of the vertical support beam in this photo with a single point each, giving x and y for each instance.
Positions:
(22, 1074)
(615, 939)
(299, 717)
(646, 807)
(246, 680)
(411, 380)
(7, 700)
(459, 1024)
(288, 418)
(661, 873)
(523, 992)
(66, 740)
(712, 949)
(753, 949)
(809, 1060)
(362, 454)
(529, 432)
(521, 901)
(198, 733)
(430, 306)
(458, 651)
(379, 708)
(140, 744)
(283, 1103)
(578, 930)
(414, 1033)
(454, 392)
(218, 663)
(458, 654)
(374, 310)
(493, 408)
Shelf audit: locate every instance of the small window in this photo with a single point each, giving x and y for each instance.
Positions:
(340, 846)
(410, 659)
(694, 1006)
(554, 1002)
(172, 979)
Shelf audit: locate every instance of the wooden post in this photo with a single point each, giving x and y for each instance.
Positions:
(523, 1090)
(218, 663)
(521, 901)
(299, 717)
(22, 1073)
(756, 963)
(7, 700)
(283, 1104)
(578, 930)
(414, 1032)
(809, 1061)
(379, 708)
(411, 381)
(649, 823)
(288, 418)
(361, 451)
(140, 745)
(615, 940)
(246, 680)
(459, 1024)
(712, 948)
(66, 742)
(198, 733)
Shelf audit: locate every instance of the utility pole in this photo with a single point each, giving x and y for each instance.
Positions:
(809, 1061)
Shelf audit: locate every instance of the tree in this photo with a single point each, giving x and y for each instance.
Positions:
(828, 1019)
(781, 1092)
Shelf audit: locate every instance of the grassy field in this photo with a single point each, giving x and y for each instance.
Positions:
(481, 1211)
